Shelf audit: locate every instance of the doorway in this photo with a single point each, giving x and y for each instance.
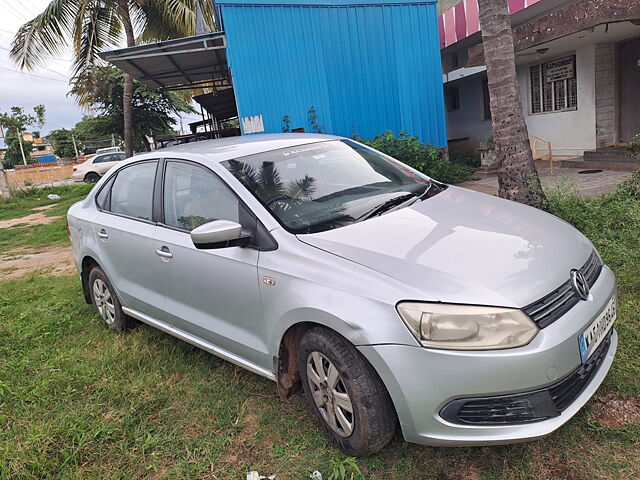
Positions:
(629, 97)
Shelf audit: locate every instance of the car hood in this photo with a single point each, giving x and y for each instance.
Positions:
(462, 246)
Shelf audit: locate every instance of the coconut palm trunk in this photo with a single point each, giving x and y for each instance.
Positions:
(127, 93)
(517, 175)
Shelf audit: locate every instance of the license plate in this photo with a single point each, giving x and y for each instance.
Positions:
(592, 337)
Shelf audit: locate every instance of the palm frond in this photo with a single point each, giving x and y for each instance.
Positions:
(97, 28)
(46, 35)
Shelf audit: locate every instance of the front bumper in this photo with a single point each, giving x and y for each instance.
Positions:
(422, 381)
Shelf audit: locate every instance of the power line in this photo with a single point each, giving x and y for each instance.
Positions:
(33, 75)
(43, 67)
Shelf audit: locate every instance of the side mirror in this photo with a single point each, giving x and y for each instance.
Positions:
(219, 234)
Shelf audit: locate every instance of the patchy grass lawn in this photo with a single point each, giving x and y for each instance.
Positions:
(79, 402)
(32, 237)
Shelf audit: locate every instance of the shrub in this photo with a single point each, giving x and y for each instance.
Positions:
(611, 222)
(634, 146)
(465, 157)
(421, 156)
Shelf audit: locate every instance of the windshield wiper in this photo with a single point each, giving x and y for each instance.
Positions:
(388, 205)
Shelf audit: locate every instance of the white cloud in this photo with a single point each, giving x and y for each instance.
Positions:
(48, 85)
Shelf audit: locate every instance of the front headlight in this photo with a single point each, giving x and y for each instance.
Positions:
(466, 327)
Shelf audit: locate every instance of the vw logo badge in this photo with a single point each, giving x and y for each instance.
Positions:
(580, 284)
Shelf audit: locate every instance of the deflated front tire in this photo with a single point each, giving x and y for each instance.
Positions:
(345, 393)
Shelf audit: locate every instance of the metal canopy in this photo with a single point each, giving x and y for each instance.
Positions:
(221, 104)
(189, 62)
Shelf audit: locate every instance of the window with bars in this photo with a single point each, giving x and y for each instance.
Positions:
(549, 94)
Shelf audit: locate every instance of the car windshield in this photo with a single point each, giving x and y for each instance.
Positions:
(321, 186)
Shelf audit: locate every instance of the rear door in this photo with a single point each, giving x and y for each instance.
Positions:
(125, 230)
(211, 294)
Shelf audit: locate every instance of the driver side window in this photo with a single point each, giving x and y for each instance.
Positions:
(194, 196)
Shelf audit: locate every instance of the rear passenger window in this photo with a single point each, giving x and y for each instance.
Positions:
(102, 199)
(194, 196)
(132, 190)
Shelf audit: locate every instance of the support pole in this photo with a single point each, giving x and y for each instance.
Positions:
(24, 159)
(75, 147)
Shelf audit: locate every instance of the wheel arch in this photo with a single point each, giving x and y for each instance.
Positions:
(87, 264)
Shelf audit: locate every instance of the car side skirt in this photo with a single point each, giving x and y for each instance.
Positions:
(198, 342)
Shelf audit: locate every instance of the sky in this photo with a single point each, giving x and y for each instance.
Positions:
(48, 85)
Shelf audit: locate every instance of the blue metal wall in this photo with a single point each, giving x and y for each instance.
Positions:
(365, 66)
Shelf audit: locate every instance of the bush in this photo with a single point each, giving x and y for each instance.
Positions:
(465, 157)
(611, 222)
(421, 156)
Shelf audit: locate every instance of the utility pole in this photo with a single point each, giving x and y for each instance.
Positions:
(75, 147)
(24, 159)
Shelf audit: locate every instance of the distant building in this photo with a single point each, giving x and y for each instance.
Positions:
(578, 67)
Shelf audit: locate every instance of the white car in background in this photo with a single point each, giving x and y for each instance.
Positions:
(95, 167)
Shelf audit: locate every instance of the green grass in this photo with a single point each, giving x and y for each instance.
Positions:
(79, 402)
(38, 236)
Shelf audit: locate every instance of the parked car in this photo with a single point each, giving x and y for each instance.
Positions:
(95, 167)
(100, 151)
(393, 300)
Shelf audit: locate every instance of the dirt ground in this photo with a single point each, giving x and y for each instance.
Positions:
(38, 218)
(55, 261)
(18, 263)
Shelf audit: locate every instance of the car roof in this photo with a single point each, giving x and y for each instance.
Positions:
(223, 149)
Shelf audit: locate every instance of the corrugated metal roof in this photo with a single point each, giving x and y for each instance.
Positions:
(183, 61)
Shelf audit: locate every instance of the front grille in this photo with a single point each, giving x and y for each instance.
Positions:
(554, 305)
(527, 407)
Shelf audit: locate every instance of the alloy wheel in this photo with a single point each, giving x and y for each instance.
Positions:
(329, 394)
(104, 302)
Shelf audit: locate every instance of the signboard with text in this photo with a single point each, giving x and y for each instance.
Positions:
(561, 69)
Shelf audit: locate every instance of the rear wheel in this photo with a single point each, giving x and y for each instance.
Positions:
(91, 177)
(106, 303)
(345, 393)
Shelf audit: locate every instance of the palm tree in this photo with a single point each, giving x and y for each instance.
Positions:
(91, 26)
(517, 175)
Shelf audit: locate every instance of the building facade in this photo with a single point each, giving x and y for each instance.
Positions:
(578, 68)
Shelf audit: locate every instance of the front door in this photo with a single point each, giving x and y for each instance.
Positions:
(125, 233)
(211, 294)
(629, 55)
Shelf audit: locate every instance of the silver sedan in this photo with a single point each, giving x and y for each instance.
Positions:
(392, 300)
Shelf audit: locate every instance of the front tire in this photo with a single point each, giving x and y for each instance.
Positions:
(345, 393)
(106, 303)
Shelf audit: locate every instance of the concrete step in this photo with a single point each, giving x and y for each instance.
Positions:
(600, 165)
(610, 154)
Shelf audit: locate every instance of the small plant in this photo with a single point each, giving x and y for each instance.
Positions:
(346, 469)
(634, 146)
(286, 124)
(313, 121)
(489, 140)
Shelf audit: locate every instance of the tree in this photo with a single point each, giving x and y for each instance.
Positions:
(517, 176)
(92, 26)
(152, 110)
(14, 124)
(62, 141)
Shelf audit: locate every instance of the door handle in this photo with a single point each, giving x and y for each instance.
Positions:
(164, 252)
(103, 233)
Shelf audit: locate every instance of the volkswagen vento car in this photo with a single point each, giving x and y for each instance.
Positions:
(393, 300)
